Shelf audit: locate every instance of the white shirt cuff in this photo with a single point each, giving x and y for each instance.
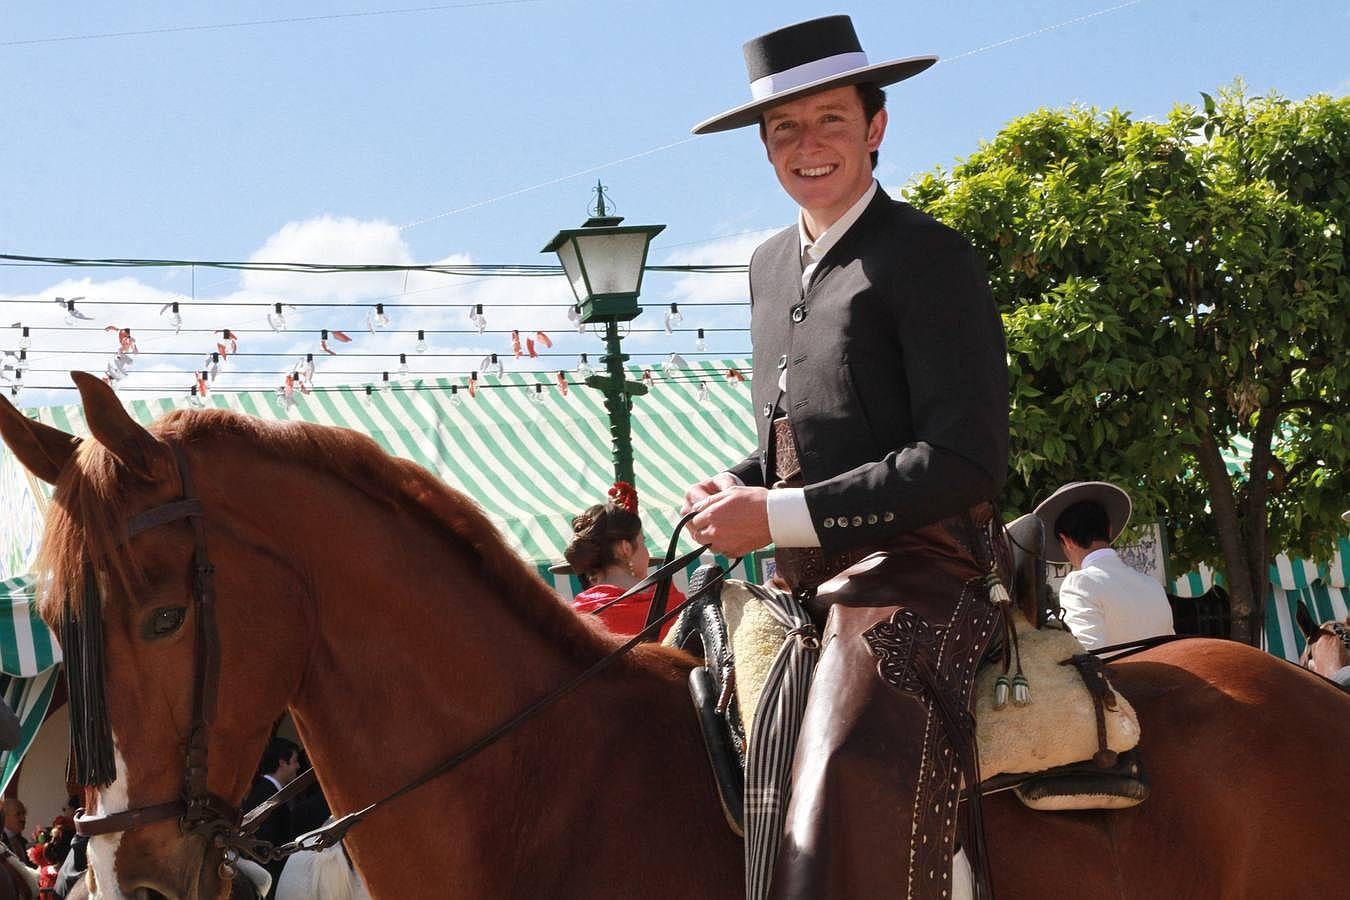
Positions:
(790, 520)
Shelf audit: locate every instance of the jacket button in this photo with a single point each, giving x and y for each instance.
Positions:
(782, 362)
(842, 521)
(799, 312)
(888, 517)
(857, 520)
(828, 523)
(872, 519)
(768, 410)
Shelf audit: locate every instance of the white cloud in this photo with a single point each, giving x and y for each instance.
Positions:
(330, 240)
(732, 250)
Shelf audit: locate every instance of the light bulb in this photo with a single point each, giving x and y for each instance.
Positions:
(305, 368)
(385, 386)
(476, 317)
(455, 398)
(21, 364)
(672, 364)
(212, 364)
(421, 346)
(703, 392)
(195, 399)
(647, 378)
(674, 317)
(492, 365)
(70, 312)
(276, 318)
(370, 395)
(584, 369)
(574, 316)
(701, 345)
(538, 396)
(376, 320)
(175, 317)
(24, 340)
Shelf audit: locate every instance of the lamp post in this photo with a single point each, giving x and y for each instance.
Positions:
(603, 261)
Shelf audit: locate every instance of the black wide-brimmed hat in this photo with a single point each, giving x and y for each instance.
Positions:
(805, 58)
(1114, 500)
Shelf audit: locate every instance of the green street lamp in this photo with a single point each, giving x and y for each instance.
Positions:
(603, 261)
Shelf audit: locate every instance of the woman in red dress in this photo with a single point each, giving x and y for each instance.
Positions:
(609, 555)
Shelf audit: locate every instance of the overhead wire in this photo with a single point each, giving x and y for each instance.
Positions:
(258, 23)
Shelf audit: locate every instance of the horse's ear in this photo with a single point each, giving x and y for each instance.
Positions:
(42, 449)
(111, 426)
(1305, 621)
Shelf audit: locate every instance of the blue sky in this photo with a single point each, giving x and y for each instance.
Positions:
(473, 132)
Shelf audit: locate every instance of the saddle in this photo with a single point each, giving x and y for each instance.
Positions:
(1069, 748)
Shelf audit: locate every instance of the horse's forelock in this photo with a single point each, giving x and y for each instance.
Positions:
(86, 523)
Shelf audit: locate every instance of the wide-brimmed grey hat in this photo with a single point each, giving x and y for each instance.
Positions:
(1346, 515)
(805, 58)
(1114, 500)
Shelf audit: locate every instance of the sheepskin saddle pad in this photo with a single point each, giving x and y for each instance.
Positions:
(1058, 725)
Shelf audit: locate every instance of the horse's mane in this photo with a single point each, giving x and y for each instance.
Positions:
(88, 518)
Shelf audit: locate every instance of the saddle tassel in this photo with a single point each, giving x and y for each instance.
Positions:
(1016, 687)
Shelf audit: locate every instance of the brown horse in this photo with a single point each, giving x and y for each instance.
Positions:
(387, 614)
(1327, 651)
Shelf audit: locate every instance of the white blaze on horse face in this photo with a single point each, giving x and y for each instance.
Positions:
(103, 848)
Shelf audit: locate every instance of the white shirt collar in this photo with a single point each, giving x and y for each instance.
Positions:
(813, 251)
(1096, 556)
(273, 780)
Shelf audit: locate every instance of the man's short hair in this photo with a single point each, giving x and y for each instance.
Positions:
(873, 101)
(1084, 522)
(278, 751)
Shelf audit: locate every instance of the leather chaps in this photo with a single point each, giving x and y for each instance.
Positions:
(887, 736)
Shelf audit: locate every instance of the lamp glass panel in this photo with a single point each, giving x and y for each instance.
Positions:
(614, 261)
(567, 254)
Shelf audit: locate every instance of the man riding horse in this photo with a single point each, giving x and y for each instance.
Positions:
(881, 393)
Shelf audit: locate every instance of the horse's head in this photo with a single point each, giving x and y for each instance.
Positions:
(167, 721)
(1327, 651)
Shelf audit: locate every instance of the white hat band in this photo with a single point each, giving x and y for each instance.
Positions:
(806, 73)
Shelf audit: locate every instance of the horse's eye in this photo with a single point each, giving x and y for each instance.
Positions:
(165, 621)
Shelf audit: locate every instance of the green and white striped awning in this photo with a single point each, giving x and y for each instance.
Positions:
(1323, 587)
(28, 667)
(532, 464)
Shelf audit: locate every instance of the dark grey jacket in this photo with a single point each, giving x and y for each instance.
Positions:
(897, 385)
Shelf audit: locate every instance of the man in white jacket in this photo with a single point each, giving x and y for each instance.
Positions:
(1105, 601)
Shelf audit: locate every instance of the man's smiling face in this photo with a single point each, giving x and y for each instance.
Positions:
(820, 146)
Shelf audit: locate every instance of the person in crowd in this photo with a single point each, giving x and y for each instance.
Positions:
(48, 851)
(609, 554)
(1105, 602)
(15, 821)
(881, 399)
(278, 768)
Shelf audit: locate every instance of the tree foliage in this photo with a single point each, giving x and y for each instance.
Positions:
(1172, 290)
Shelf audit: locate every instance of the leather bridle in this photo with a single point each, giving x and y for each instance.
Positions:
(199, 812)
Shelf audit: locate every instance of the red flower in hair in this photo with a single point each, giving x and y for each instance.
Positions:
(624, 496)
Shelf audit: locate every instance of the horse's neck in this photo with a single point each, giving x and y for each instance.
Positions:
(415, 653)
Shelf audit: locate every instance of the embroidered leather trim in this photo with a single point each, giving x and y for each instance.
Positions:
(902, 644)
